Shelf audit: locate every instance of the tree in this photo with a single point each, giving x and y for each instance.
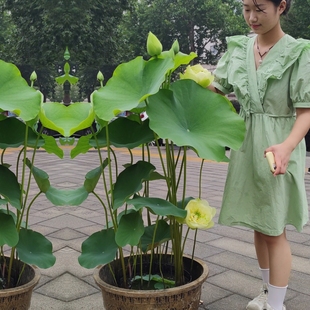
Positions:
(6, 33)
(45, 28)
(297, 22)
(199, 25)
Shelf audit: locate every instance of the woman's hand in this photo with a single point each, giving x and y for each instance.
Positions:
(282, 151)
(282, 155)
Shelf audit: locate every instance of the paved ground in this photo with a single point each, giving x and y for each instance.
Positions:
(234, 278)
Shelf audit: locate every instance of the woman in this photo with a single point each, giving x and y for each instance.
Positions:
(269, 74)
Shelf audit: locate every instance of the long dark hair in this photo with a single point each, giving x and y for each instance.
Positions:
(277, 3)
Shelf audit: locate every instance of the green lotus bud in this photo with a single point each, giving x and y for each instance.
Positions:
(100, 76)
(153, 45)
(176, 47)
(66, 54)
(33, 76)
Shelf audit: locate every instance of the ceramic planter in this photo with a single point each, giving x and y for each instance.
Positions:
(185, 297)
(19, 298)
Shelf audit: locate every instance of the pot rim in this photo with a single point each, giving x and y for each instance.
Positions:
(25, 287)
(170, 291)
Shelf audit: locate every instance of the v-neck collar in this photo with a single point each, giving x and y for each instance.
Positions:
(271, 51)
(252, 72)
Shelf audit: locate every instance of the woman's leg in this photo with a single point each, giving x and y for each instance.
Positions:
(275, 253)
(261, 250)
(259, 302)
(278, 251)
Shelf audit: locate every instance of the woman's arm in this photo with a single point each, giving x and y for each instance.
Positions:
(211, 87)
(282, 151)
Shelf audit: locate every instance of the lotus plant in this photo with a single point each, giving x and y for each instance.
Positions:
(182, 113)
(20, 107)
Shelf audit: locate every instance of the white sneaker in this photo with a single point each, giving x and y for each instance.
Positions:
(260, 301)
(267, 307)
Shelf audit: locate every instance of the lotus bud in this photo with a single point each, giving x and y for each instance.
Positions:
(66, 54)
(176, 47)
(199, 74)
(100, 77)
(33, 77)
(199, 214)
(153, 45)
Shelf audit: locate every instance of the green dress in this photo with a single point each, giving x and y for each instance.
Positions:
(268, 96)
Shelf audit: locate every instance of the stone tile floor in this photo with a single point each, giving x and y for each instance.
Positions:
(233, 280)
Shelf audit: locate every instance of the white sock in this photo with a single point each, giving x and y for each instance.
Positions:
(276, 296)
(265, 275)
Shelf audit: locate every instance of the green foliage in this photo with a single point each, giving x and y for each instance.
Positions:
(37, 33)
(180, 111)
(199, 26)
(7, 31)
(8, 232)
(95, 252)
(35, 249)
(19, 130)
(297, 23)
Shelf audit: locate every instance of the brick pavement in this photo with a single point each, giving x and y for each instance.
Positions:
(234, 278)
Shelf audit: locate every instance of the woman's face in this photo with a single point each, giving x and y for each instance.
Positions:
(262, 17)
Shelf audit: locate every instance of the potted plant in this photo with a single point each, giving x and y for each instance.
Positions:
(20, 246)
(141, 246)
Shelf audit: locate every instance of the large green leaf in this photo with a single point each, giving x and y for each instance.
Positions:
(124, 132)
(131, 83)
(98, 249)
(59, 197)
(93, 176)
(130, 229)
(8, 232)
(67, 119)
(12, 134)
(183, 203)
(40, 176)
(179, 59)
(50, 146)
(194, 116)
(183, 59)
(163, 234)
(158, 206)
(33, 248)
(9, 187)
(13, 215)
(82, 146)
(130, 181)
(15, 94)
(64, 197)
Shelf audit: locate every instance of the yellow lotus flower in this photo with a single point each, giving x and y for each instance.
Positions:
(199, 74)
(199, 214)
(153, 45)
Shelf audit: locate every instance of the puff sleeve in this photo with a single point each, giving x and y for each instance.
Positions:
(224, 76)
(300, 79)
(221, 75)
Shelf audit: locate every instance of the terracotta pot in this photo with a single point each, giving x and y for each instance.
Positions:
(19, 298)
(184, 297)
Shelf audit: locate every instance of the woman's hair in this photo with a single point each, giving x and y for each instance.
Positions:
(277, 3)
